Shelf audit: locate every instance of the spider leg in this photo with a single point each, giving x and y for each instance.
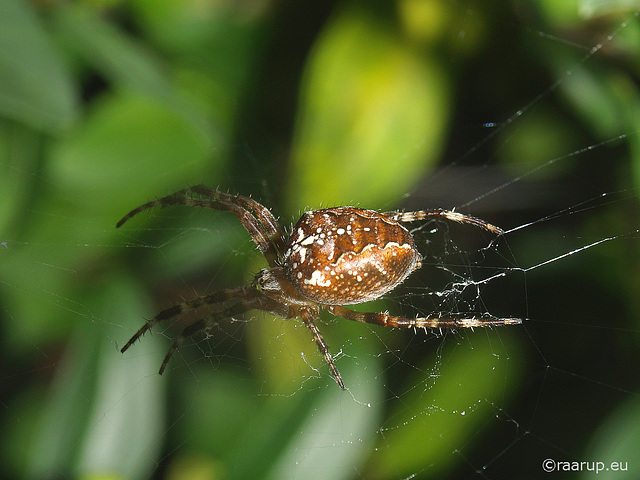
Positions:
(323, 347)
(448, 214)
(264, 215)
(420, 322)
(255, 218)
(212, 299)
(186, 333)
(203, 324)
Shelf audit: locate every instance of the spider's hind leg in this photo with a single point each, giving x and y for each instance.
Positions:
(323, 347)
(186, 333)
(212, 299)
(205, 323)
(430, 322)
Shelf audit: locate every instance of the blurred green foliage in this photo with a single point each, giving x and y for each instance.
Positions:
(106, 104)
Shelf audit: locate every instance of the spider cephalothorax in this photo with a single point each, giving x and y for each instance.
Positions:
(333, 257)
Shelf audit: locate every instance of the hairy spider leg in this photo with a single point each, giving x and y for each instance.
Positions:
(264, 215)
(212, 299)
(308, 320)
(420, 322)
(250, 299)
(268, 239)
(205, 323)
(439, 213)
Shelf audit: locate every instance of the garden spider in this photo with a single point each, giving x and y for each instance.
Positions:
(333, 257)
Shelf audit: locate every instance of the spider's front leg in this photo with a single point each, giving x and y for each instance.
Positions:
(447, 214)
(257, 220)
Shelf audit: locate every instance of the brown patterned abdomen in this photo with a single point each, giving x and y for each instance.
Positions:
(346, 255)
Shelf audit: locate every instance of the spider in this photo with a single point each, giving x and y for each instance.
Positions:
(333, 257)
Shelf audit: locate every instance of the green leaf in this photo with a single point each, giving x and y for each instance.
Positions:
(340, 430)
(125, 427)
(373, 112)
(589, 93)
(312, 418)
(315, 420)
(588, 9)
(105, 412)
(433, 422)
(126, 62)
(617, 440)
(20, 149)
(130, 148)
(627, 96)
(215, 418)
(35, 85)
(66, 410)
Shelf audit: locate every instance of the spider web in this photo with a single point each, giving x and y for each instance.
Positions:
(479, 404)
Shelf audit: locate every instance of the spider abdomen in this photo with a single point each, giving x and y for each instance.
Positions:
(346, 255)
